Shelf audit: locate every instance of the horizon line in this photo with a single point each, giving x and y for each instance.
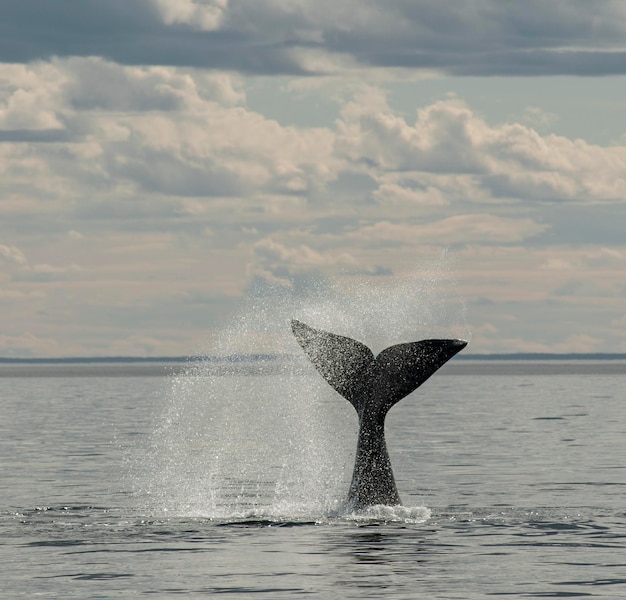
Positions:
(260, 357)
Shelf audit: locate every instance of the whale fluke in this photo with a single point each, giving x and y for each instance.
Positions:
(372, 385)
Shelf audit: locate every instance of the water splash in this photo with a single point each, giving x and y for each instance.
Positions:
(268, 437)
(235, 445)
(393, 514)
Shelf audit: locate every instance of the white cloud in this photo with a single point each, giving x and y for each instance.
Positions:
(22, 270)
(57, 94)
(482, 228)
(393, 195)
(506, 161)
(30, 97)
(207, 15)
(221, 152)
(98, 84)
(280, 264)
(12, 255)
(177, 133)
(165, 131)
(42, 273)
(535, 116)
(29, 344)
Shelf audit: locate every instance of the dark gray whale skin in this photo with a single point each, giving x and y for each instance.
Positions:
(372, 385)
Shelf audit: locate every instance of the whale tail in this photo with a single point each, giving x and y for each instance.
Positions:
(351, 368)
(372, 385)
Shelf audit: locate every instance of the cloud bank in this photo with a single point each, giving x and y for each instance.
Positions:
(141, 194)
(270, 37)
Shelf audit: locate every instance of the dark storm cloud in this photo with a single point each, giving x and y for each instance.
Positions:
(484, 37)
(34, 29)
(495, 38)
(131, 33)
(36, 135)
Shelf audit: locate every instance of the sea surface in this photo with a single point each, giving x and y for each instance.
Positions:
(124, 481)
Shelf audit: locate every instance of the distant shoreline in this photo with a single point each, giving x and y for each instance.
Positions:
(522, 356)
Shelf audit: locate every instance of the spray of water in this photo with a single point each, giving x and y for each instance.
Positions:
(266, 437)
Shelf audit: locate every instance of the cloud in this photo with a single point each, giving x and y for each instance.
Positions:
(160, 130)
(180, 133)
(206, 15)
(581, 343)
(12, 255)
(620, 323)
(47, 96)
(395, 195)
(536, 117)
(98, 84)
(282, 265)
(42, 273)
(486, 37)
(507, 161)
(464, 229)
(27, 345)
(219, 151)
(22, 270)
(30, 98)
(135, 191)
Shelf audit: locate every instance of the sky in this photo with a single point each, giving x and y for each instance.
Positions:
(166, 163)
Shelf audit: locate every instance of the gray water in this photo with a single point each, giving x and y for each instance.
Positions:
(116, 482)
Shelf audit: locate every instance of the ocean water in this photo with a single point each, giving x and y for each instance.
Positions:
(122, 481)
